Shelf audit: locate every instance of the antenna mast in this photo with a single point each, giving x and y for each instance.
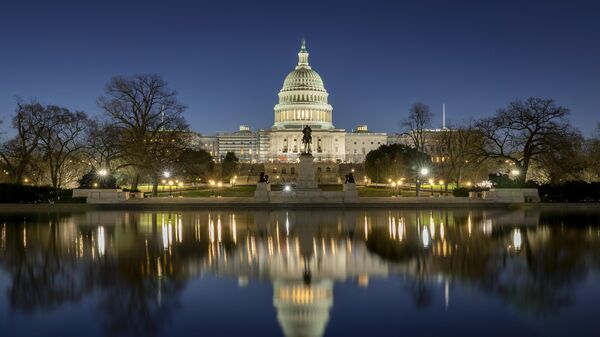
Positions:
(443, 115)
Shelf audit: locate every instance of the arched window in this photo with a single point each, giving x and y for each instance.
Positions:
(293, 170)
(328, 169)
(319, 170)
(283, 171)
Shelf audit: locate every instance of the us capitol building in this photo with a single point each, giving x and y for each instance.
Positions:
(303, 100)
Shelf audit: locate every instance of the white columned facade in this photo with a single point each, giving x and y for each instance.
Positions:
(303, 100)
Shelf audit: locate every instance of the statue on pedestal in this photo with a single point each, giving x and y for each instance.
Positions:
(307, 139)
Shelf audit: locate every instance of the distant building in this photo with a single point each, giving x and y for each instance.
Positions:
(209, 144)
(361, 141)
(243, 143)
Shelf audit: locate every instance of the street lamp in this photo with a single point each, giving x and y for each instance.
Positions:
(212, 187)
(423, 172)
(441, 186)
(180, 187)
(219, 185)
(170, 188)
(515, 172)
(167, 174)
(431, 185)
(103, 172)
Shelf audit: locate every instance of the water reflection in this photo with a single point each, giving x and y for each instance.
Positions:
(136, 264)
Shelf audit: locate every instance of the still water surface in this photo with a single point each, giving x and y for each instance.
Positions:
(300, 273)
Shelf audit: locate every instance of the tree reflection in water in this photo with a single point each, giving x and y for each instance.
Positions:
(137, 263)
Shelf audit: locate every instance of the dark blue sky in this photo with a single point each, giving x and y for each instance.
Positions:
(228, 59)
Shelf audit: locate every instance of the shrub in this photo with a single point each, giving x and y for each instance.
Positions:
(572, 191)
(504, 181)
(15, 193)
(460, 192)
(464, 191)
(93, 180)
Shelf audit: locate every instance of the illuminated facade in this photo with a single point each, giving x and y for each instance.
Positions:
(303, 100)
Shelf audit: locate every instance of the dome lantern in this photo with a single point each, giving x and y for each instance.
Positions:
(303, 56)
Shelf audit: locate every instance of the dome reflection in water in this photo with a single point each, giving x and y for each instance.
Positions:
(298, 272)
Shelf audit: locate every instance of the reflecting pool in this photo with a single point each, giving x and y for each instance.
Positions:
(413, 272)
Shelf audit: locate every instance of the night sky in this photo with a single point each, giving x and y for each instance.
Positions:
(227, 60)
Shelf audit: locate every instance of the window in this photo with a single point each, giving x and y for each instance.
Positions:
(328, 169)
(319, 170)
(293, 170)
(283, 171)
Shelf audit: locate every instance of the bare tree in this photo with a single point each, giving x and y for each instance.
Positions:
(61, 135)
(418, 121)
(149, 119)
(17, 153)
(458, 148)
(591, 153)
(522, 132)
(102, 148)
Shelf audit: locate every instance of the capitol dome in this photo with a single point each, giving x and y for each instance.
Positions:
(303, 98)
(303, 79)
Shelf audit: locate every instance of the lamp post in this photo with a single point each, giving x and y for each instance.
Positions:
(423, 172)
(180, 187)
(170, 188)
(431, 185)
(441, 187)
(393, 188)
(212, 188)
(219, 185)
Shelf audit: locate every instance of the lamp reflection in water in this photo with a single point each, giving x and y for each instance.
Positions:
(317, 250)
(425, 237)
(101, 241)
(517, 240)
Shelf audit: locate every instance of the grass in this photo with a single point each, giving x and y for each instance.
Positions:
(370, 191)
(331, 188)
(248, 191)
(236, 191)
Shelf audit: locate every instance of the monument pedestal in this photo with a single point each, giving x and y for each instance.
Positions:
(261, 194)
(306, 174)
(350, 192)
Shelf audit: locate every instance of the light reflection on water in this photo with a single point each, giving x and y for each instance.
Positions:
(152, 273)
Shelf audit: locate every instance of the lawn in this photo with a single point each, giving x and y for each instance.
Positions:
(248, 191)
(370, 191)
(236, 191)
